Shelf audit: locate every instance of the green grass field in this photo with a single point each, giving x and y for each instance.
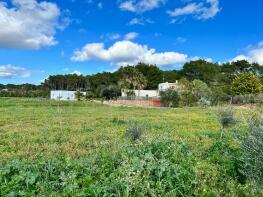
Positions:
(50, 148)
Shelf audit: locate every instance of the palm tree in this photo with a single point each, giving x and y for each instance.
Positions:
(131, 79)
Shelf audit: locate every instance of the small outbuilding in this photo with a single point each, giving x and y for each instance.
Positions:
(64, 95)
(166, 86)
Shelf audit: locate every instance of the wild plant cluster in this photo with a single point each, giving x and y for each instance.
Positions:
(252, 148)
(148, 169)
(226, 116)
(161, 167)
(134, 132)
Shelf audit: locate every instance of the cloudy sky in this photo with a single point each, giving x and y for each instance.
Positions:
(43, 37)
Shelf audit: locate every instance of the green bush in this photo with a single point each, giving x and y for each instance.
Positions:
(204, 103)
(187, 98)
(134, 132)
(111, 92)
(246, 83)
(90, 95)
(170, 98)
(226, 116)
(201, 90)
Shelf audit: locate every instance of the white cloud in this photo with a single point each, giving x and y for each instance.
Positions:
(195, 58)
(115, 36)
(240, 57)
(100, 5)
(188, 9)
(140, 21)
(10, 71)
(128, 6)
(76, 73)
(200, 10)
(140, 6)
(127, 52)
(255, 54)
(131, 36)
(28, 24)
(180, 40)
(136, 21)
(111, 36)
(260, 44)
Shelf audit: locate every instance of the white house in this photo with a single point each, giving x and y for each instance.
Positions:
(154, 93)
(64, 95)
(143, 93)
(166, 86)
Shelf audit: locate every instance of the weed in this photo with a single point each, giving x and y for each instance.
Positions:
(134, 132)
(118, 121)
(226, 116)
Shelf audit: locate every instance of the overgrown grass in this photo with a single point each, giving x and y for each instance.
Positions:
(80, 149)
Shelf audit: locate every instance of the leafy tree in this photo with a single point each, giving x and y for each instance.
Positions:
(219, 93)
(170, 98)
(246, 83)
(171, 76)
(229, 71)
(2, 86)
(66, 82)
(100, 81)
(219, 78)
(232, 69)
(111, 92)
(201, 90)
(187, 97)
(202, 70)
(152, 74)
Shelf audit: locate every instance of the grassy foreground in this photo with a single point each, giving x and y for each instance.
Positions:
(50, 148)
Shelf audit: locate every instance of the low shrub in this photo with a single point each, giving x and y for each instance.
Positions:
(226, 116)
(111, 92)
(90, 95)
(134, 132)
(169, 98)
(204, 103)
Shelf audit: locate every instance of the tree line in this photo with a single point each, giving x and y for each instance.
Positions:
(218, 77)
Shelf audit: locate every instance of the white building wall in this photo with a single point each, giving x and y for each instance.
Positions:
(64, 95)
(166, 86)
(143, 93)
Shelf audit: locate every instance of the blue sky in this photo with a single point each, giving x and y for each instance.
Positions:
(40, 37)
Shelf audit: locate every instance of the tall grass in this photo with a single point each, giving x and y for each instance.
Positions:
(50, 148)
